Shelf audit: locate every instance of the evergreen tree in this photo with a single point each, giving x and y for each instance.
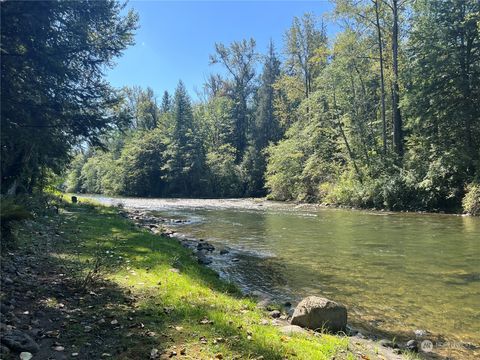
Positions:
(267, 127)
(186, 158)
(166, 105)
(53, 92)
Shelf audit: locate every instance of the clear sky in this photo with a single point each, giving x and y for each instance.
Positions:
(175, 38)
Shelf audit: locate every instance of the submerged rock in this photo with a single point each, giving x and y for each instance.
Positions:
(205, 246)
(318, 313)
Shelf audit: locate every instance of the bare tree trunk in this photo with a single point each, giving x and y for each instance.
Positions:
(397, 116)
(382, 77)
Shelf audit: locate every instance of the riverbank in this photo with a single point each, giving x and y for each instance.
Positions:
(87, 283)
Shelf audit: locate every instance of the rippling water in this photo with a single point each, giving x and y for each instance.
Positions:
(396, 272)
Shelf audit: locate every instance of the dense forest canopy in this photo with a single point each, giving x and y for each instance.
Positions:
(384, 115)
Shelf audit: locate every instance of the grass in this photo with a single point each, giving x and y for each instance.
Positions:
(160, 299)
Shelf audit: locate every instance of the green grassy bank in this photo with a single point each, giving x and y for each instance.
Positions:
(131, 293)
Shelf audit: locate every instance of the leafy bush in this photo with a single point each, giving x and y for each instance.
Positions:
(471, 201)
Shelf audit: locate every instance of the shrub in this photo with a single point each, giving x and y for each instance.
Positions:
(471, 200)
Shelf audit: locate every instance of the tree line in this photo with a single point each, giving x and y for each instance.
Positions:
(384, 115)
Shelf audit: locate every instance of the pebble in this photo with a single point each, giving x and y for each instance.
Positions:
(275, 314)
(25, 355)
(412, 345)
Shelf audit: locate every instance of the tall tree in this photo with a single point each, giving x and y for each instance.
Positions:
(239, 59)
(443, 93)
(166, 105)
(186, 156)
(305, 46)
(266, 123)
(53, 91)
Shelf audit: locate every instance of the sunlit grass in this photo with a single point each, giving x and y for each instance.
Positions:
(184, 305)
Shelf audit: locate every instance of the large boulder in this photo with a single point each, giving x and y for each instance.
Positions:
(319, 313)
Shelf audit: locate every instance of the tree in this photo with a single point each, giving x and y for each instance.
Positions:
(305, 47)
(239, 59)
(142, 106)
(52, 88)
(266, 123)
(141, 165)
(185, 154)
(166, 105)
(442, 96)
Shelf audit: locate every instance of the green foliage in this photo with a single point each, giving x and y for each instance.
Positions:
(140, 165)
(284, 168)
(315, 128)
(54, 54)
(471, 201)
(224, 174)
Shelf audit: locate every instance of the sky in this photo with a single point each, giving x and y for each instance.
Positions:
(175, 38)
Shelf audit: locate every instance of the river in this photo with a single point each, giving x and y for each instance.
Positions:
(396, 272)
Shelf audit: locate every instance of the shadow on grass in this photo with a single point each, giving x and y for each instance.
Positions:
(112, 320)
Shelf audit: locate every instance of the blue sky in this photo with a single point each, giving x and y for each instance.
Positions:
(175, 38)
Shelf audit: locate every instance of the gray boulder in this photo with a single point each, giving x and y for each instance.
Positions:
(318, 313)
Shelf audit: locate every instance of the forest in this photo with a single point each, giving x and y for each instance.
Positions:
(384, 115)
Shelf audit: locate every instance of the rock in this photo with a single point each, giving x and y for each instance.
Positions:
(224, 252)
(25, 355)
(7, 281)
(292, 329)
(19, 341)
(387, 343)
(275, 314)
(320, 313)
(203, 260)
(420, 333)
(205, 246)
(412, 345)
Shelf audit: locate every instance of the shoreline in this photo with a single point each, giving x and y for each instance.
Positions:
(201, 249)
(293, 203)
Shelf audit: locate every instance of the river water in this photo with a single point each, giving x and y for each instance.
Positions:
(396, 272)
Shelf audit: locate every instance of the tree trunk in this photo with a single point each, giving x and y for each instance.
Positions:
(397, 117)
(382, 77)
